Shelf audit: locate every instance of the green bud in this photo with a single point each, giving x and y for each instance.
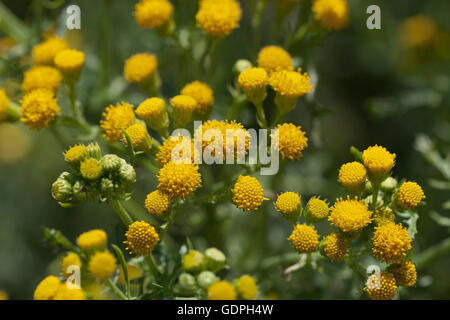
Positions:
(194, 261)
(127, 173)
(93, 151)
(66, 176)
(369, 200)
(187, 283)
(110, 162)
(368, 187)
(389, 184)
(215, 259)
(206, 278)
(241, 65)
(80, 192)
(61, 190)
(106, 186)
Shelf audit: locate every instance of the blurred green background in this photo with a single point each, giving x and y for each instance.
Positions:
(371, 89)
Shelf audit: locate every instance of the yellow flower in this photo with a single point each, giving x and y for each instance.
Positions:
(92, 240)
(4, 105)
(45, 52)
(69, 60)
(182, 107)
(39, 108)
(221, 290)
(352, 175)
(65, 293)
(304, 238)
(179, 180)
(202, 93)
(316, 209)
(378, 161)
(382, 288)
(409, 195)
(47, 288)
(193, 261)
(138, 134)
(153, 112)
(247, 193)
(335, 246)
(383, 216)
(418, 31)
(157, 203)
(41, 77)
(332, 14)
(102, 265)
(289, 204)
(350, 215)
(274, 58)
(390, 242)
(405, 273)
(165, 155)
(115, 118)
(254, 81)
(91, 169)
(153, 14)
(75, 154)
(290, 141)
(291, 84)
(247, 288)
(218, 18)
(71, 259)
(141, 238)
(140, 67)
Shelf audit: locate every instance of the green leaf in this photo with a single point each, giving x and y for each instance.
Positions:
(56, 238)
(124, 266)
(411, 221)
(441, 220)
(356, 153)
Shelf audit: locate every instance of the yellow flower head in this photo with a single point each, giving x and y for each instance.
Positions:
(181, 144)
(65, 293)
(418, 31)
(102, 265)
(153, 13)
(382, 287)
(91, 169)
(138, 134)
(247, 287)
(350, 215)
(290, 141)
(4, 104)
(39, 108)
(45, 52)
(92, 240)
(115, 118)
(179, 180)
(157, 203)
(383, 216)
(409, 195)
(202, 93)
(290, 84)
(140, 67)
(352, 175)
(405, 273)
(317, 209)
(332, 14)
(288, 202)
(378, 161)
(153, 112)
(69, 61)
(141, 238)
(183, 106)
(75, 154)
(71, 259)
(335, 246)
(41, 77)
(221, 290)
(254, 81)
(390, 242)
(47, 288)
(274, 58)
(193, 261)
(304, 238)
(219, 18)
(247, 193)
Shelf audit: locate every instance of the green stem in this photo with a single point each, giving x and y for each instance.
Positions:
(278, 118)
(152, 265)
(117, 292)
(121, 211)
(261, 116)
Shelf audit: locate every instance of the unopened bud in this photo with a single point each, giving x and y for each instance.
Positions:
(215, 259)
(127, 173)
(110, 162)
(61, 190)
(206, 278)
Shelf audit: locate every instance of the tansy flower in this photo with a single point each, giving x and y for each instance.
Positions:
(350, 215)
(316, 209)
(41, 77)
(390, 242)
(140, 67)
(222, 290)
(70, 62)
(4, 105)
(115, 118)
(289, 204)
(102, 265)
(289, 140)
(75, 154)
(182, 107)
(378, 162)
(409, 195)
(92, 240)
(418, 31)
(274, 58)
(304, 238)
(153, 14)
(157, 203)
(153, 112)
(39, 108)
(45, 52)
(65, 293)
(247, 288)
(332, 14)
(247, 193)
(139, 137)
(405, 273)
(381, 287)
(254, 81)
(91, 169)
(179, 180)
(71, 259)
(193, 261)
(202, 93)
(141, 238)
(218, 18)
(335, 246)
(47, 288)
(383, 216)
(184, 151)
(352, 175)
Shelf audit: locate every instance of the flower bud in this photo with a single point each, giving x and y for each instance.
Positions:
(106, 186)
(93, 150)
(187, 283)
(369, 200)
(389, 184)
(241, 65)
(127, 173)
(110, 162)
(215, 259)
(91, 169)
(80, 192)
(61, 190)
(194, 261)
(206, 278)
